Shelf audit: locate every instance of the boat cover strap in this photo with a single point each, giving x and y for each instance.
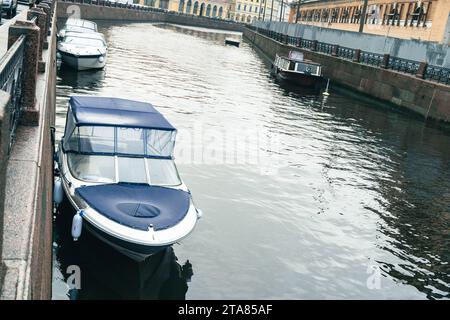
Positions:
(137, 206)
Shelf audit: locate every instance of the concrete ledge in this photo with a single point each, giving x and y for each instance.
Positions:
(96, 12)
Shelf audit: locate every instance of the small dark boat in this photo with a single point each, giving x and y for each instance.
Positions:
(232, 42)
(298, 70)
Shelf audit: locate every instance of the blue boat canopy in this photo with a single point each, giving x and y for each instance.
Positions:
(138, 206)
(113, 126)
(103, 111)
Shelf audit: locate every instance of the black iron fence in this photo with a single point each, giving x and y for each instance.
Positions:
(11, 67)
(419, 69)
(14, 78)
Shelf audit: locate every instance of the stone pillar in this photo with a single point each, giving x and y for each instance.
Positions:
(44, 6)
(334, 50)
(41, 22)
(357, 55)
(385, 62)
(30, 66)
(422, 69)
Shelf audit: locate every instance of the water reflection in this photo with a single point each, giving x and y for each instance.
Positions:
(106, 274)
(217, 35)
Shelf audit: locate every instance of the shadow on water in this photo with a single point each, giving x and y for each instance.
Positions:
(107, 274)
(87, 79)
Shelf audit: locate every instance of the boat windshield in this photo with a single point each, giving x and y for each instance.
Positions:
(89, 42)
(79, 29)
(82, 23)
(106, 140)
(115, 169)
(308, 68)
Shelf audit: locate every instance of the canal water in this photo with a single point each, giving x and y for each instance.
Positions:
(304, 196)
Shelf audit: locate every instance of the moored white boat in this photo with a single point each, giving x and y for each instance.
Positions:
(77, 25)
(83, 51)
(294, 68)
(117, 170)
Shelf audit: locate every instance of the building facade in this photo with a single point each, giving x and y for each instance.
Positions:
(252, 10)
(206, 8)
(411, 19)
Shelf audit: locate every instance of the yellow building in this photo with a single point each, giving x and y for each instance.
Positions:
(251, 10)
(424, 20)
(207, 8)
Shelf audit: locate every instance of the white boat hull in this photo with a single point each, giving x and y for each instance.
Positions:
(83, 62)
(135, 244)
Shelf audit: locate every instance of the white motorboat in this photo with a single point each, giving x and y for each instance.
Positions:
(83, 51)
(118, 172)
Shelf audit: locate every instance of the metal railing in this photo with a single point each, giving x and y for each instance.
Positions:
(13, 76)
(438, 74)
(370, 58)
(429, 72)
(346, 53)
(404, 65)
(11, 67)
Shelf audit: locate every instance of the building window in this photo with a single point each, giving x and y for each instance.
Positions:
(239, 6)
(245, 7)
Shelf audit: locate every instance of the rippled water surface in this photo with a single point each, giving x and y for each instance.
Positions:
(303, 196)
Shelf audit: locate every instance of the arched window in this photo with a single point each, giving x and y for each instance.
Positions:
(181, 6)
(238, 17)
(202, 10)
(195, 11)
(214, 13)
(208, 10)
(249, 18)
(188, 6)
(243, 18)
(220, 12)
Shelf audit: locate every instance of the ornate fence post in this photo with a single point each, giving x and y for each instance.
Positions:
(422, 70)
(41, 22)
(30, 66)
(298, 43)
(314, 45)
(357, 55)
(385, 62)
(334, 50)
